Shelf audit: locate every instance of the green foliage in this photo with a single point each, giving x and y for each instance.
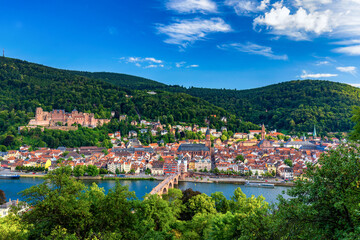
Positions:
(293, 105)
(240, 158)
(92, 170)
(79, 170)
(27, 86)
(325, 205)
(288, 162)
(12, 228)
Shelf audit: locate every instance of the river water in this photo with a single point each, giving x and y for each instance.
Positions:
(12, 187)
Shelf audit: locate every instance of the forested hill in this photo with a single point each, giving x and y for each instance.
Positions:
(25, 86)
(123, 80)
(294, 105)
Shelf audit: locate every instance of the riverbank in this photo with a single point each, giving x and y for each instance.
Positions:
(32, 176)
(160, 178)
(235, 181)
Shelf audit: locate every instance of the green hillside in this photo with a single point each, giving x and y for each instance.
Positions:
(294, 105)
(123, 80)
(25, 86)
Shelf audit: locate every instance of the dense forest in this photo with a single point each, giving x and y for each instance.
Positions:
(25, 86)
(323, 205)
(125, 80)
(292, 106)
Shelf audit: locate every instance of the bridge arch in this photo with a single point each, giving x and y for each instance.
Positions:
(171, 185)
(164, 190)
(176, 180)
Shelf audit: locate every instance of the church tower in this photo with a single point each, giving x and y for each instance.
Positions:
(263, 132)
(207, 139)
(314, 133)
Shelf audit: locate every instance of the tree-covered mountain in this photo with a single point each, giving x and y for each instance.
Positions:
(294, 105)
(25, 86)
(123, 80)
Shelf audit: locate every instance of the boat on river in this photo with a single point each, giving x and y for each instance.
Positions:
(9, 176)
(256, 184)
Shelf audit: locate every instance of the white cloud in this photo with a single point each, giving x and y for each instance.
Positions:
(193, 66)
(150, 62)
(350, 69)
(305, 19)
(253, 48)
(280, 21)
(322, 63)
(247, 7)
(347, 42)
(154, 66)
(185, 32)
(349, 50)
(153, 60)
(179, 64)
(317, 75)
(192, 6)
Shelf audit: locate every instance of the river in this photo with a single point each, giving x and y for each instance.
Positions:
(12, 187)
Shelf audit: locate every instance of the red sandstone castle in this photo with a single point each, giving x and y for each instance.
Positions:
(53, 118)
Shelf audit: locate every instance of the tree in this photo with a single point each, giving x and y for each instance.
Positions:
(200, 203)
(355, 134)
(240, 158)
(3, 148)
(79, 170)
(64, 154)
(223, 138)
(105, 151)
(147, 171)
(326, 202)
(92, 170)
(155, 216)
(62, 204)
(288, 162)
(117, 171)
(11, 227)
(222, 205)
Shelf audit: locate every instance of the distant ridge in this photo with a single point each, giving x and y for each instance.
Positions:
(294, 105)
(25, 86)
(123, 80)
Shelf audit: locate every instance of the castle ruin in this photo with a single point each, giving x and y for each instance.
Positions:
(60, 117)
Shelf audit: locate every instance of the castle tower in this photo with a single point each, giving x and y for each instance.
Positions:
(263, 132)
(39, 114)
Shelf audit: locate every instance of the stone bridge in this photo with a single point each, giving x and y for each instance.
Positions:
(166, 184)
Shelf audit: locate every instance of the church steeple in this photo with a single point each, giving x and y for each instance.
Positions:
(314, 133)
(263, 132)
(208, 139)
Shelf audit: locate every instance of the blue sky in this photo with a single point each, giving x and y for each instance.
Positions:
(205, 43)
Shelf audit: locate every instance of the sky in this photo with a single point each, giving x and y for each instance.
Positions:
(233, 44)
